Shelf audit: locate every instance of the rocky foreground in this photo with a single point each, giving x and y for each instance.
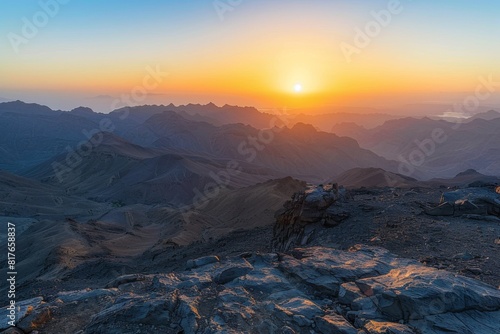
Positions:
(311, 290)
(302, 282)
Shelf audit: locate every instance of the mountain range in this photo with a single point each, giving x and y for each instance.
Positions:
(96, 196)
(434, 148)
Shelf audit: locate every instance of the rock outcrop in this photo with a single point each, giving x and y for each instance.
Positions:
(305, 213)
(468, 201)
(312, 290)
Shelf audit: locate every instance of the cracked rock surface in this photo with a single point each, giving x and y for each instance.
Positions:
(311, 290)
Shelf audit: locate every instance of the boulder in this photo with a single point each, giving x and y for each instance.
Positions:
(477, 196)
(481, 201)
(414, 291)
(321, 197)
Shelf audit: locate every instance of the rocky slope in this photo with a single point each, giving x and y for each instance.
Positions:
(311, 290)
(299, 287)
(336, 261)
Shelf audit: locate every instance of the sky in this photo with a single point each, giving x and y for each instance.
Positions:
(264, 53)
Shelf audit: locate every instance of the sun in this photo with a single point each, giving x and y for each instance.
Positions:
(297, 88)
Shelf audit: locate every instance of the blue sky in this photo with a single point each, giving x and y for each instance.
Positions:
(74, 56)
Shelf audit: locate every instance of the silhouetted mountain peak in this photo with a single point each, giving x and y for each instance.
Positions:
(26, 108)
(82, 111)
(304, 128)
(487, 116)
(469, 172)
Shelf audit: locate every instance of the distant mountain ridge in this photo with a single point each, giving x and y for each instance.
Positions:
(35, 133)
(377, 177)
(434, 148)
(488, 115)
(299, 150)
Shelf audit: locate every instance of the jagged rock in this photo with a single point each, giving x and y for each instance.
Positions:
(317, 289)
(472, 201)
(322, 197)
(413, 292)
(326, 269)
(307, 211)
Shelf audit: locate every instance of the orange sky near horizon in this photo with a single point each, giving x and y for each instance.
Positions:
(255, 56)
